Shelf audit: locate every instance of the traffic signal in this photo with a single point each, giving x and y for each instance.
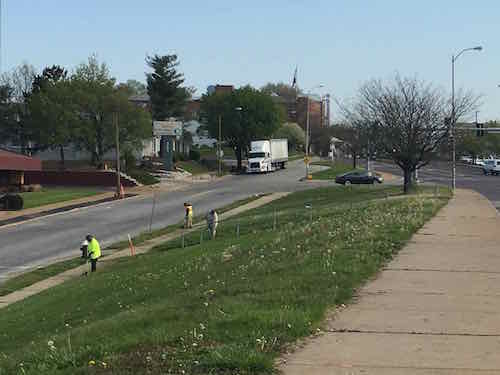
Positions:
(479, 130)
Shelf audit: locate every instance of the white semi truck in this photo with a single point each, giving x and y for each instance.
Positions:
(267, 155)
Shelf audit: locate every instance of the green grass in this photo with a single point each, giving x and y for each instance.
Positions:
(55, 195)
(193, 167)
(143, 237)
(41, 273)
(206, 152)
(229, 306)
(335, 169)
(143, 176)
(38, 274)
(296, 156)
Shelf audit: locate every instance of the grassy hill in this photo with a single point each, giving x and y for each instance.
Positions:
(227, 306)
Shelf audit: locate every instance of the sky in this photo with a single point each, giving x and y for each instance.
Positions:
(337, 43)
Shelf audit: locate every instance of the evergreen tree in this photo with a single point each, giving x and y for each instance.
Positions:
(165, 90)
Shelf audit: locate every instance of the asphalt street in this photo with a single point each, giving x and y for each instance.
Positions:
(467, 177)
(42, 240)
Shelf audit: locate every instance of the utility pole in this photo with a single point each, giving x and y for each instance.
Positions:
(1, 27)
(117, 147)
(307, 138)
(219, 146)
(453, 123)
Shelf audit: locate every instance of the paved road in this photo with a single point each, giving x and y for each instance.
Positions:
(468, 177)
(41, 240)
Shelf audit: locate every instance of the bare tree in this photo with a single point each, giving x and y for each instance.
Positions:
(408, 117)
(353, 134)
(20, 83)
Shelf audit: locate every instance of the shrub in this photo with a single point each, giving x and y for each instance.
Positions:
(178, 156)
(194, 155)
(12, 202)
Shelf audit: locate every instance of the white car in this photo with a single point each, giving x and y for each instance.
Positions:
(466, 159)
(491, 166)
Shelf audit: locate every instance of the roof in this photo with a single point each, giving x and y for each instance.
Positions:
(11, 161)
(140, 98)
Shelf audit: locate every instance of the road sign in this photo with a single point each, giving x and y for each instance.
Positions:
(307, 160)
(170, 128)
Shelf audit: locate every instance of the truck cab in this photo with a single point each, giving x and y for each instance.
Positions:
(259, 157)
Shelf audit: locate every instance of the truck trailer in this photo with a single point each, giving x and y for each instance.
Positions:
(267, 155)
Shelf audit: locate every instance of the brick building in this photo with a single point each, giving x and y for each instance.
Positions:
(13, 166)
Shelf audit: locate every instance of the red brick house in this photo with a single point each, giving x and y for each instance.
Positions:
(13, 166)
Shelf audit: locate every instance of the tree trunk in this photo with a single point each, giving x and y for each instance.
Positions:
(407, 180)
(238, 157)
(100, 153)
(354, 160)
(61, 154)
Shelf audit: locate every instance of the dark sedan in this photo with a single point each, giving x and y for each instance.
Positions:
(358, 177)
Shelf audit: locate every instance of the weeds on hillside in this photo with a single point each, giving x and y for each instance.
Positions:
(222, 307)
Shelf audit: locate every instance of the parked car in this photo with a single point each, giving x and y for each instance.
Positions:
(359, 177)
(466, 159)
(491, 166)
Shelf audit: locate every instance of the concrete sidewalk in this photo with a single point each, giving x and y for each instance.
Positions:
(143, 248)
(435, 309)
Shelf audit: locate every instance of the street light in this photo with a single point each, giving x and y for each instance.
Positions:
(453, 120)
(307, 126)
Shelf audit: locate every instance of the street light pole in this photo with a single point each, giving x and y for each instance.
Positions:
(307, 138)
(307, 127)
(453, 119)
(453, 145)
(219, 146)
(117, 147)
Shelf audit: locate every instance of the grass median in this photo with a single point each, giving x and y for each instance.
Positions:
(335, 169)
(227, 306)
(55, 195)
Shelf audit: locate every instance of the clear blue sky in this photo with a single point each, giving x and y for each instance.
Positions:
(339, 43)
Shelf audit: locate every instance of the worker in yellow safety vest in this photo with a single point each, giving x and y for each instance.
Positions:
(94, 251)
(188, 218)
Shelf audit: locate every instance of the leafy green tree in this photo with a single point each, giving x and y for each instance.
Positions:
(164, 88)
(53, 116)
(135, 124)
(97, 99)
(50, 75)
(133, 87)
(52, 113)
(93, 88)
(294, 133)
(246, 114)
